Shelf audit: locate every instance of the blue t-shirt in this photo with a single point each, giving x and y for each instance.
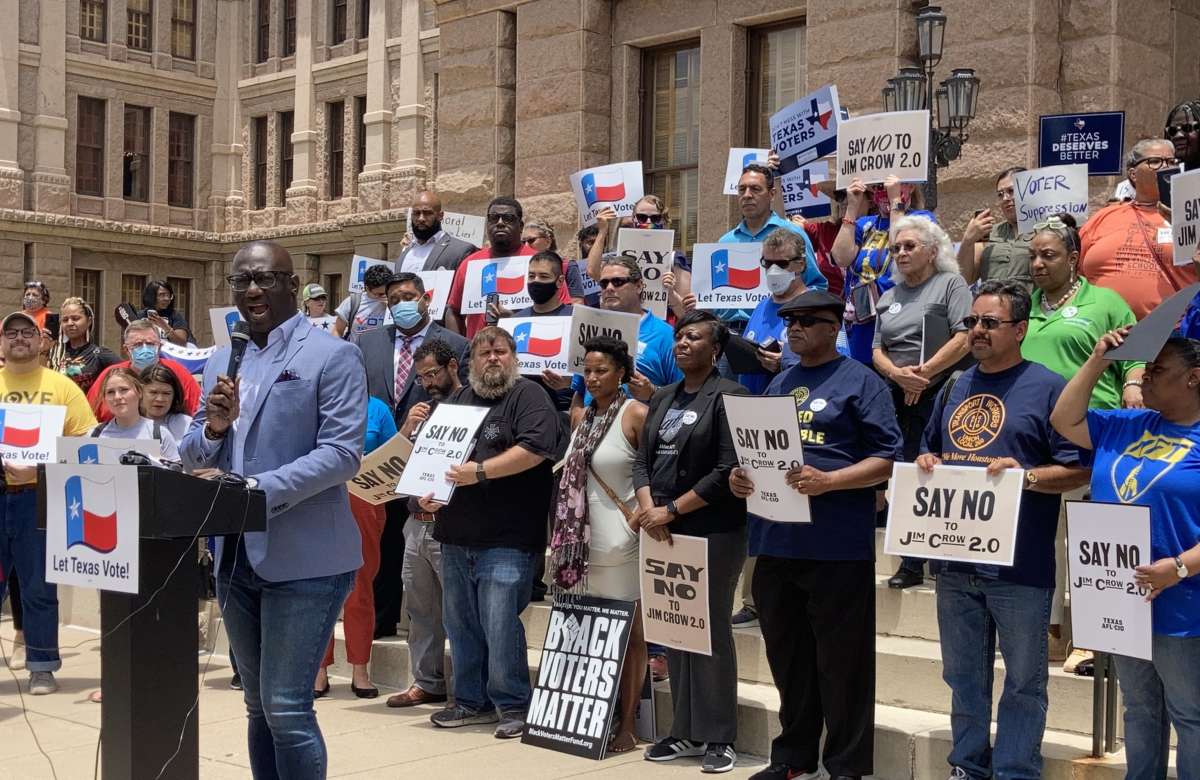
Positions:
(380, 424)
(1015, 405)
(1142, 459)
(846, 415)
(1190, 326)
(813, 278)
(871, 236)
(655, 357)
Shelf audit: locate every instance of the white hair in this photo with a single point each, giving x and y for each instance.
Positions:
(931, 235)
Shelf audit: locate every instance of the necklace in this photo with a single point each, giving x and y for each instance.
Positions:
(1074, 288)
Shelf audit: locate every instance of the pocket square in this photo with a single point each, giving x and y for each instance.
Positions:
(287, 376)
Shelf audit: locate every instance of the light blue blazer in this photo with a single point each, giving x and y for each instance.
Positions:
(304, 442)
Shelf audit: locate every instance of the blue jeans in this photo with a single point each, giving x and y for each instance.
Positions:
(279, 631)
(973, 612)
(1157, 695)
(23, 548)
(484, 591)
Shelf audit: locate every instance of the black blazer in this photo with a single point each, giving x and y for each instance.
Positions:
(706, 456)
(379, 356)
(448, 252)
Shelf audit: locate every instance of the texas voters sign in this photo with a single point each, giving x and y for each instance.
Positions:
(728, 276)
(446, 439)
(542, 343)
(954, 513)
(766, 435)
(807, 129)
(617, 186)
(1105, 543)
(575, 693)
(92, 526)
(1096, 140)
(801, 195)
(1044, 192)
(675, 586)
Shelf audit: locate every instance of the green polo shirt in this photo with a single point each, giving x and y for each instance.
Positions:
(1063, 340)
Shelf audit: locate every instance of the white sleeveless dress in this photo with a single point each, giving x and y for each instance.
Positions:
(613, 565)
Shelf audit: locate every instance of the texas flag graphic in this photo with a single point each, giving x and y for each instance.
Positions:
(807, 182)
(19, 428)
(91, 514)
(820, 113)
(735, 268)
(538, 338)
(603, 187)
(750, 158)
(492, 282)
(89, 454)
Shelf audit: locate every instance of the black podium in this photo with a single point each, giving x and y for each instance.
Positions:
(149, 664)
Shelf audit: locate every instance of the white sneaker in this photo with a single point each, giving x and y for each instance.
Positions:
(16, 661)
(42, 683)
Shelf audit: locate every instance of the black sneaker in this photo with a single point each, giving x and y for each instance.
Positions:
(785, 772)
(457, 715)
(746, 617)
(905, 578)
(235, 682)
(669, 749)
(719, 757)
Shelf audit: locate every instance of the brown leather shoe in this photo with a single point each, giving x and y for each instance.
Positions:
(413, 696)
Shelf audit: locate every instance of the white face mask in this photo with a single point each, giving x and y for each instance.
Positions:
(778, 279)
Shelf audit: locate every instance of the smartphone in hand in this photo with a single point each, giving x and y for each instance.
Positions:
(489, 312)
(771, 345)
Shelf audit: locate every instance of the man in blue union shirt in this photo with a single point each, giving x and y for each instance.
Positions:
(978, 604)
(814, 582)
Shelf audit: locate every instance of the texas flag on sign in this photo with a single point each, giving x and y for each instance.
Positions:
(492, 282)
(736, 269)
(821, 113)
(538, 338)
(91, 509)
(20, 428)
(603, 186)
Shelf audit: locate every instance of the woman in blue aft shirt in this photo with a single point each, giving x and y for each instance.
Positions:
(1151, 457)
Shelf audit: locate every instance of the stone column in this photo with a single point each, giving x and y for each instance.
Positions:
(52, 265)
(563, 103)
(377, 121)
(51, 185)
(722, 124)
(302, 195)
(12, 268)
(12, 180)
(118, 20)
(410, 168)
(227, 199)
(476, 107)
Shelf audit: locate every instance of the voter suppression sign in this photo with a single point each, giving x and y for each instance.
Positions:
(954, 513)
(1095, 140)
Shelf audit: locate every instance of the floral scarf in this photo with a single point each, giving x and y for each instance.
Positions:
(572, 534)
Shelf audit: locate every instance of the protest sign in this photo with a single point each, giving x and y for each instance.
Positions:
(1185, 216)
(437, 287)
(92, 526)
(801, 194)
(193, 359)
(1096, 140)
(728, 276)
(1109, 611)
(222, 320)
(465, 227)
(579, 674)
(954, 513)
(542, 343)
(358, 267)
(739, 158)
(504, 276)
(876, 146)
(380, 471)
(655, 254)
(588, 323)
(1044, 192)
(675, 592)
(29, 432)
(446, 439)
(618, 186)
(589, 284)
(95, 451)
(1146, 340)
(766, 435)
(807, 129)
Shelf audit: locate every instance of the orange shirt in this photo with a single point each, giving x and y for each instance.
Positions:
(1122, 251)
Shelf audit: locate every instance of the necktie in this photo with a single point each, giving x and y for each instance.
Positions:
(404, 364)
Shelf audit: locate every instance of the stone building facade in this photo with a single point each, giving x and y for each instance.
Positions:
(152, 137)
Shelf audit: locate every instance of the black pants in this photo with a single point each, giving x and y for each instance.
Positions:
(389, 582)
(818, 624)
(913, 421)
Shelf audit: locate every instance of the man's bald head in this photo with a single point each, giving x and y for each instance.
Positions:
(264, 255)
(426, 215)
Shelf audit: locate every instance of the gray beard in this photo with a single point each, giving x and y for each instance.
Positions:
(492, 389)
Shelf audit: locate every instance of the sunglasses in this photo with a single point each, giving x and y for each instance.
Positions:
(781, 263)
(508, 219)
(1190, 127)
(531, 240)
(904, 246)
(807, 321)
(648, 219)
(616, 282)
(988, 323)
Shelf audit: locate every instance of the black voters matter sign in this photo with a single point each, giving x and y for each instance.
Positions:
(578, 677)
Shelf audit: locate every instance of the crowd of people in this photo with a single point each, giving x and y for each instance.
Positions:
(644, 445)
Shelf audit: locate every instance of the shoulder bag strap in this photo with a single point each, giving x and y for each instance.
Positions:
(611, 495)
(1158, 259)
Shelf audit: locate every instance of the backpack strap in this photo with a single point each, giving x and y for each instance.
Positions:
(157, 430)
(355, 302)
(944, 394)
(98, 431)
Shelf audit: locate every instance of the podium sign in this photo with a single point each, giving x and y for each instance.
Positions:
(92, 526)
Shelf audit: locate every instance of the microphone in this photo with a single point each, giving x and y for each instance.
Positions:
(239, 338)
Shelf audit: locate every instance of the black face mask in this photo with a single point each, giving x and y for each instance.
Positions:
(424, 234)
(541, 292)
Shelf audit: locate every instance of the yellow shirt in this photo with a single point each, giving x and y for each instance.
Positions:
(44, 386)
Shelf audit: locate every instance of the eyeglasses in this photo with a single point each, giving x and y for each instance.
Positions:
(1157, 163)
(988, 323)
(807, 321)
(508, 219)
(648, 219)
(1172, 130)
(265, 280)
(905, 246)
(143, 343)
(767, 263)
(1005, 194)
(25, 333)
(431, 374)
(616, 282)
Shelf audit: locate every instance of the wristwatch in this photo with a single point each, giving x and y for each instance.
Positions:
(252, 483)
(480, 475)
(672, 508)
(1031, 478)
(1180, 569)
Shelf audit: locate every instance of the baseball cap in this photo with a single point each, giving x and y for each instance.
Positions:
(17, 315)
(813, 300)
(314, 291)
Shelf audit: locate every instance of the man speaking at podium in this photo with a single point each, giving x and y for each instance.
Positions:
(291, 422)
